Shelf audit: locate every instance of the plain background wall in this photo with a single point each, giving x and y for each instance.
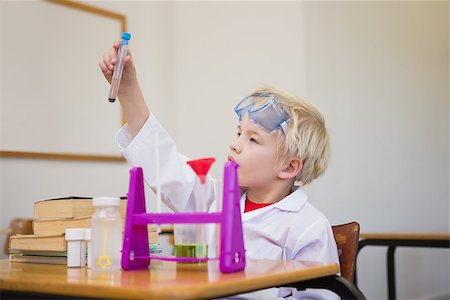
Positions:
(74, 128)
(378, 72)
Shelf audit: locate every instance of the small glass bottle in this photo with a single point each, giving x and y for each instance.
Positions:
(106, 234)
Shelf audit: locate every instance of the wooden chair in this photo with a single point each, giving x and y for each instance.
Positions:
(347, 238)
(17, 226)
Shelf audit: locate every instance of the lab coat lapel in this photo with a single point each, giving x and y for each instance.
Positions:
(292, 202)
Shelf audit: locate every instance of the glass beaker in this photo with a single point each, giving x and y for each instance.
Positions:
(191, 240)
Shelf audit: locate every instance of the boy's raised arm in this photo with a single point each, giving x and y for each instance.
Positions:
(177, 182)
(131, 99)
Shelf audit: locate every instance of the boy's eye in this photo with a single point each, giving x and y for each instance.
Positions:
(253, 140)
(238, 134)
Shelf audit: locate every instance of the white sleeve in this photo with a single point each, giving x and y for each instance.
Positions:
(317, 244)
(177, 179)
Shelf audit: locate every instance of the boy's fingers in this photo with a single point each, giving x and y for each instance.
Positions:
(103, 66)
(128, 57)
(110, 58)
(112, 53)
(107, 61)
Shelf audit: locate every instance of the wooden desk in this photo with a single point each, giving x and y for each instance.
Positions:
(394, 240)
(165, 280)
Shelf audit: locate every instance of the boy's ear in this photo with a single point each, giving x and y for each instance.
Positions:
(291, 168)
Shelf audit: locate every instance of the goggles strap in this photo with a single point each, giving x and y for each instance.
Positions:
(283, 126)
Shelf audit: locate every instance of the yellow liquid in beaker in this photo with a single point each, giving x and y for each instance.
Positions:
(191, 250)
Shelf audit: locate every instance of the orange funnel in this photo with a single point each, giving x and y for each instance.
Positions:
(201, 167)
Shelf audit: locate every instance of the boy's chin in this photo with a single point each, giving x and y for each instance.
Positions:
(244, 184)
(244, 187)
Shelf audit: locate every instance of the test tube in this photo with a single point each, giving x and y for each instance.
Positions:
(157, 169)
(117, 75)
(158, 177)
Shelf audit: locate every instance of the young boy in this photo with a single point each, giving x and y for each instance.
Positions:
(281, 140)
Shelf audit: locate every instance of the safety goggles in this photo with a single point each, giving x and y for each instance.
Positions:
(263, 110)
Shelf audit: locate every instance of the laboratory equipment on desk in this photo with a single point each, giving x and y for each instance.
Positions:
(135, 251)
(89, 248)
(118, 69)
(76, 247)
(106, 234)
(191, 240)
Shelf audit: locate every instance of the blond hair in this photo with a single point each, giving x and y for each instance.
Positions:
(306, 138)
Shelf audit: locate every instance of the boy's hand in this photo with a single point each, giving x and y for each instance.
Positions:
(130, 95)
(108, 62)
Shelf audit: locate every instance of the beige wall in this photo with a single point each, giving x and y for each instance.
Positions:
(378, 71)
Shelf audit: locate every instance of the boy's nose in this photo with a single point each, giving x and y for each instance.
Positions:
(235, 147)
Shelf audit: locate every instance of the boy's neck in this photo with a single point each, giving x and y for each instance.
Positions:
(269, 194)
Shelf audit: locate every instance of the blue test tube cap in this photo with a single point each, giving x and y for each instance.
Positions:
(126, 36)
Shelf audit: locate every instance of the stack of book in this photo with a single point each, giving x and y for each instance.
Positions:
(52, 217)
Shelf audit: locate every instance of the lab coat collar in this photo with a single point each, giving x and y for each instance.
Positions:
(292, 202)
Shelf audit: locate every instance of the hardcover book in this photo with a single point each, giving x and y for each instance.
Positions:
(69, 207)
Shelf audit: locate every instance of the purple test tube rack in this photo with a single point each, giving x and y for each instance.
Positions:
(135, 251)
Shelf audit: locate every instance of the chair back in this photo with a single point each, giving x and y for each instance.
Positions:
(17, 226)
(347, 238)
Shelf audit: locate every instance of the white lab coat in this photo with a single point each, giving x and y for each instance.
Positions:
(291, 229)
